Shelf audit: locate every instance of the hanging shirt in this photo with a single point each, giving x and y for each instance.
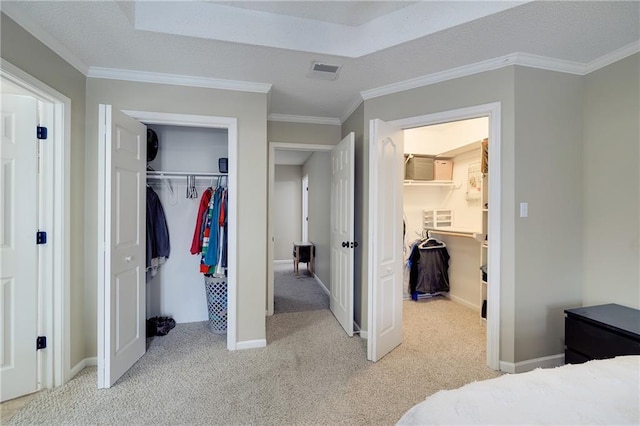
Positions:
(196, 242)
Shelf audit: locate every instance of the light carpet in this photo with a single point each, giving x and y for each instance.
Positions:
(309, 373)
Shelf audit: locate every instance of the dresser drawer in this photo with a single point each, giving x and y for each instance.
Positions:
(597, 342)
(572, 357)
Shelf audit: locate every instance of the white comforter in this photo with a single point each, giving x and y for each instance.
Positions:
(597, 392)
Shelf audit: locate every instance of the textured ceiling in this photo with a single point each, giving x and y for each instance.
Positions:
(95, 35)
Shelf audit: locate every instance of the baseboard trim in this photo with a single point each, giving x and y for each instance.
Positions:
(282, 262)
(464, 302)
(362, 333)
(87, 362)
(531, 364)
(324, 287)
(251, 344)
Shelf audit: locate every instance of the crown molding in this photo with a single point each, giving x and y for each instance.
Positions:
(548, 64)
(523, 59)
(612, 57)
(352, 107)
(178, 80)
(303, 119)
(43, 36)
(438, 77)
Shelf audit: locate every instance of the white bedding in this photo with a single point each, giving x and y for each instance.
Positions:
(596, 392)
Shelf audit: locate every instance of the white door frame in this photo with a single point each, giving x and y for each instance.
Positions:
(231, 124)
(305, 207)
(273, 146)
(491, 110)
(54, 283)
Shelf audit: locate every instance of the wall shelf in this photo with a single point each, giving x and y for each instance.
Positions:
(429, 183)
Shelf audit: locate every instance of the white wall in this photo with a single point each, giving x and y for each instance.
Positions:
(178, 288)
(287, 210)
(318, 167)
(433, 140)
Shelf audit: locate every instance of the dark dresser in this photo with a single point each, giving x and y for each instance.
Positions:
(599, 332)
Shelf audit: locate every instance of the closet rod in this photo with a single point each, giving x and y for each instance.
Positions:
(184, 174)
(452, 233)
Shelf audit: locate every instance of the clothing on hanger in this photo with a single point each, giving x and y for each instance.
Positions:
(158, 244)
(429, 273)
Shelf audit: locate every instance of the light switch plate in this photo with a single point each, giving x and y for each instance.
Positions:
(524, 209)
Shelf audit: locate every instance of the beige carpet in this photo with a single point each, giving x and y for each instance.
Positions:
(310, 373)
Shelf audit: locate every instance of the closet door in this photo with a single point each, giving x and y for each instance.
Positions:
(386, 154)
(122, 244)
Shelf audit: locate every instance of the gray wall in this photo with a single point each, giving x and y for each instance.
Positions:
(355, 123)
(25, 52)
(569, 149)
(611, 184)
(251, 111)
(548, 175)
(287, 210)
(303, 133)
(318, 167)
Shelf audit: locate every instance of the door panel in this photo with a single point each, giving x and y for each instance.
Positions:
(121, 318)
(385, 242)
(18, 250)
(342, 231)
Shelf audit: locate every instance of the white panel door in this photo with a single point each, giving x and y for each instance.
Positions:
(342, 232)
(386, 153)
(18, 251)
(121, 298)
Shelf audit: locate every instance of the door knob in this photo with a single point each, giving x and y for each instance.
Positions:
(128, 259)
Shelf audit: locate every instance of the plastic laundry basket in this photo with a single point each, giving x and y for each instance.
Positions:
(216, 288)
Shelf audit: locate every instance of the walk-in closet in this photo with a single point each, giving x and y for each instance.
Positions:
(446, 212)
(188, 171)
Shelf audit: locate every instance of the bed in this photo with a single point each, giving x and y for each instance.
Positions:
(596, 392)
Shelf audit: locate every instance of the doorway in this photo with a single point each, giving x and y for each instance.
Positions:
(41, 311)
(300, 179)
(106, 316)
(288, 159)
(334, 245)
(386, 156)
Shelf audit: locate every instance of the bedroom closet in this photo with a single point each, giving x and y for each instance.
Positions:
(445, 212)
(189, 161)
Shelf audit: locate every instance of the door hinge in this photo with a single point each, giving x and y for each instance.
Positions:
(42, 132)
(41, 342)
(41, 237)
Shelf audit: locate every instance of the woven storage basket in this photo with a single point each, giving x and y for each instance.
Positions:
(216, 288)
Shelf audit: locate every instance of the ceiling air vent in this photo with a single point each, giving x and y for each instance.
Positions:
(323, 71)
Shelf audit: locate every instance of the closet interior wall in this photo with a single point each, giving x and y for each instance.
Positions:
(177, 290)
(459, 141)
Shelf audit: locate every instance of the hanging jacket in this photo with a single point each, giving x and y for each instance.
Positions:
(158, 245)
(429, 268)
